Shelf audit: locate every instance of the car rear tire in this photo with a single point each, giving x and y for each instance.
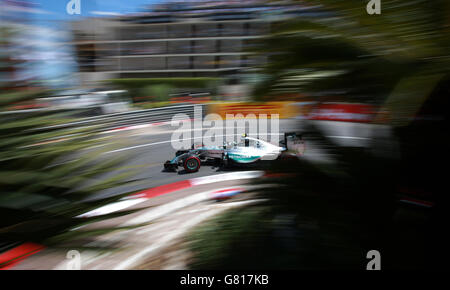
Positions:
(192, 164)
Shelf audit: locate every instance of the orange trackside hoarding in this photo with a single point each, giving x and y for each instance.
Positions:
(283, 109)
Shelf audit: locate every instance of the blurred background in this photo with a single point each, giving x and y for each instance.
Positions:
(368, 93)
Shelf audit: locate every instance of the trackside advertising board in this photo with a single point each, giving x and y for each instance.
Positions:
(344, 112)
(283, 109)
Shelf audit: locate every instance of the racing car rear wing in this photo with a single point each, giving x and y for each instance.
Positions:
(293, 141)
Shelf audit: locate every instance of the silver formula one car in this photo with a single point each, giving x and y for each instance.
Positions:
(249, 150)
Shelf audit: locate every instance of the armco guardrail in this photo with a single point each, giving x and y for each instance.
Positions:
(107, 122)
(111, 121)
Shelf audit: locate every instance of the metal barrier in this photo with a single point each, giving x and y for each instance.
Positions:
(117, 120)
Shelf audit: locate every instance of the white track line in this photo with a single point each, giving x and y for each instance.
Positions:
(165, 209)
(226, 177)
(169, 141)
(349, 137)
(113, 207)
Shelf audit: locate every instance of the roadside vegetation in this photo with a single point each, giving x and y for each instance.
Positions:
(155, 92)
(315, 217)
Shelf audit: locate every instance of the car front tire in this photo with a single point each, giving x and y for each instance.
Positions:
(192, 164)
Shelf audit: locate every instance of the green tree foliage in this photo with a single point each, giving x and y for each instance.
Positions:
(314, 217)
(369, 56)
(50, 174)
(327, 216)
(195, 82)
(159, 93)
